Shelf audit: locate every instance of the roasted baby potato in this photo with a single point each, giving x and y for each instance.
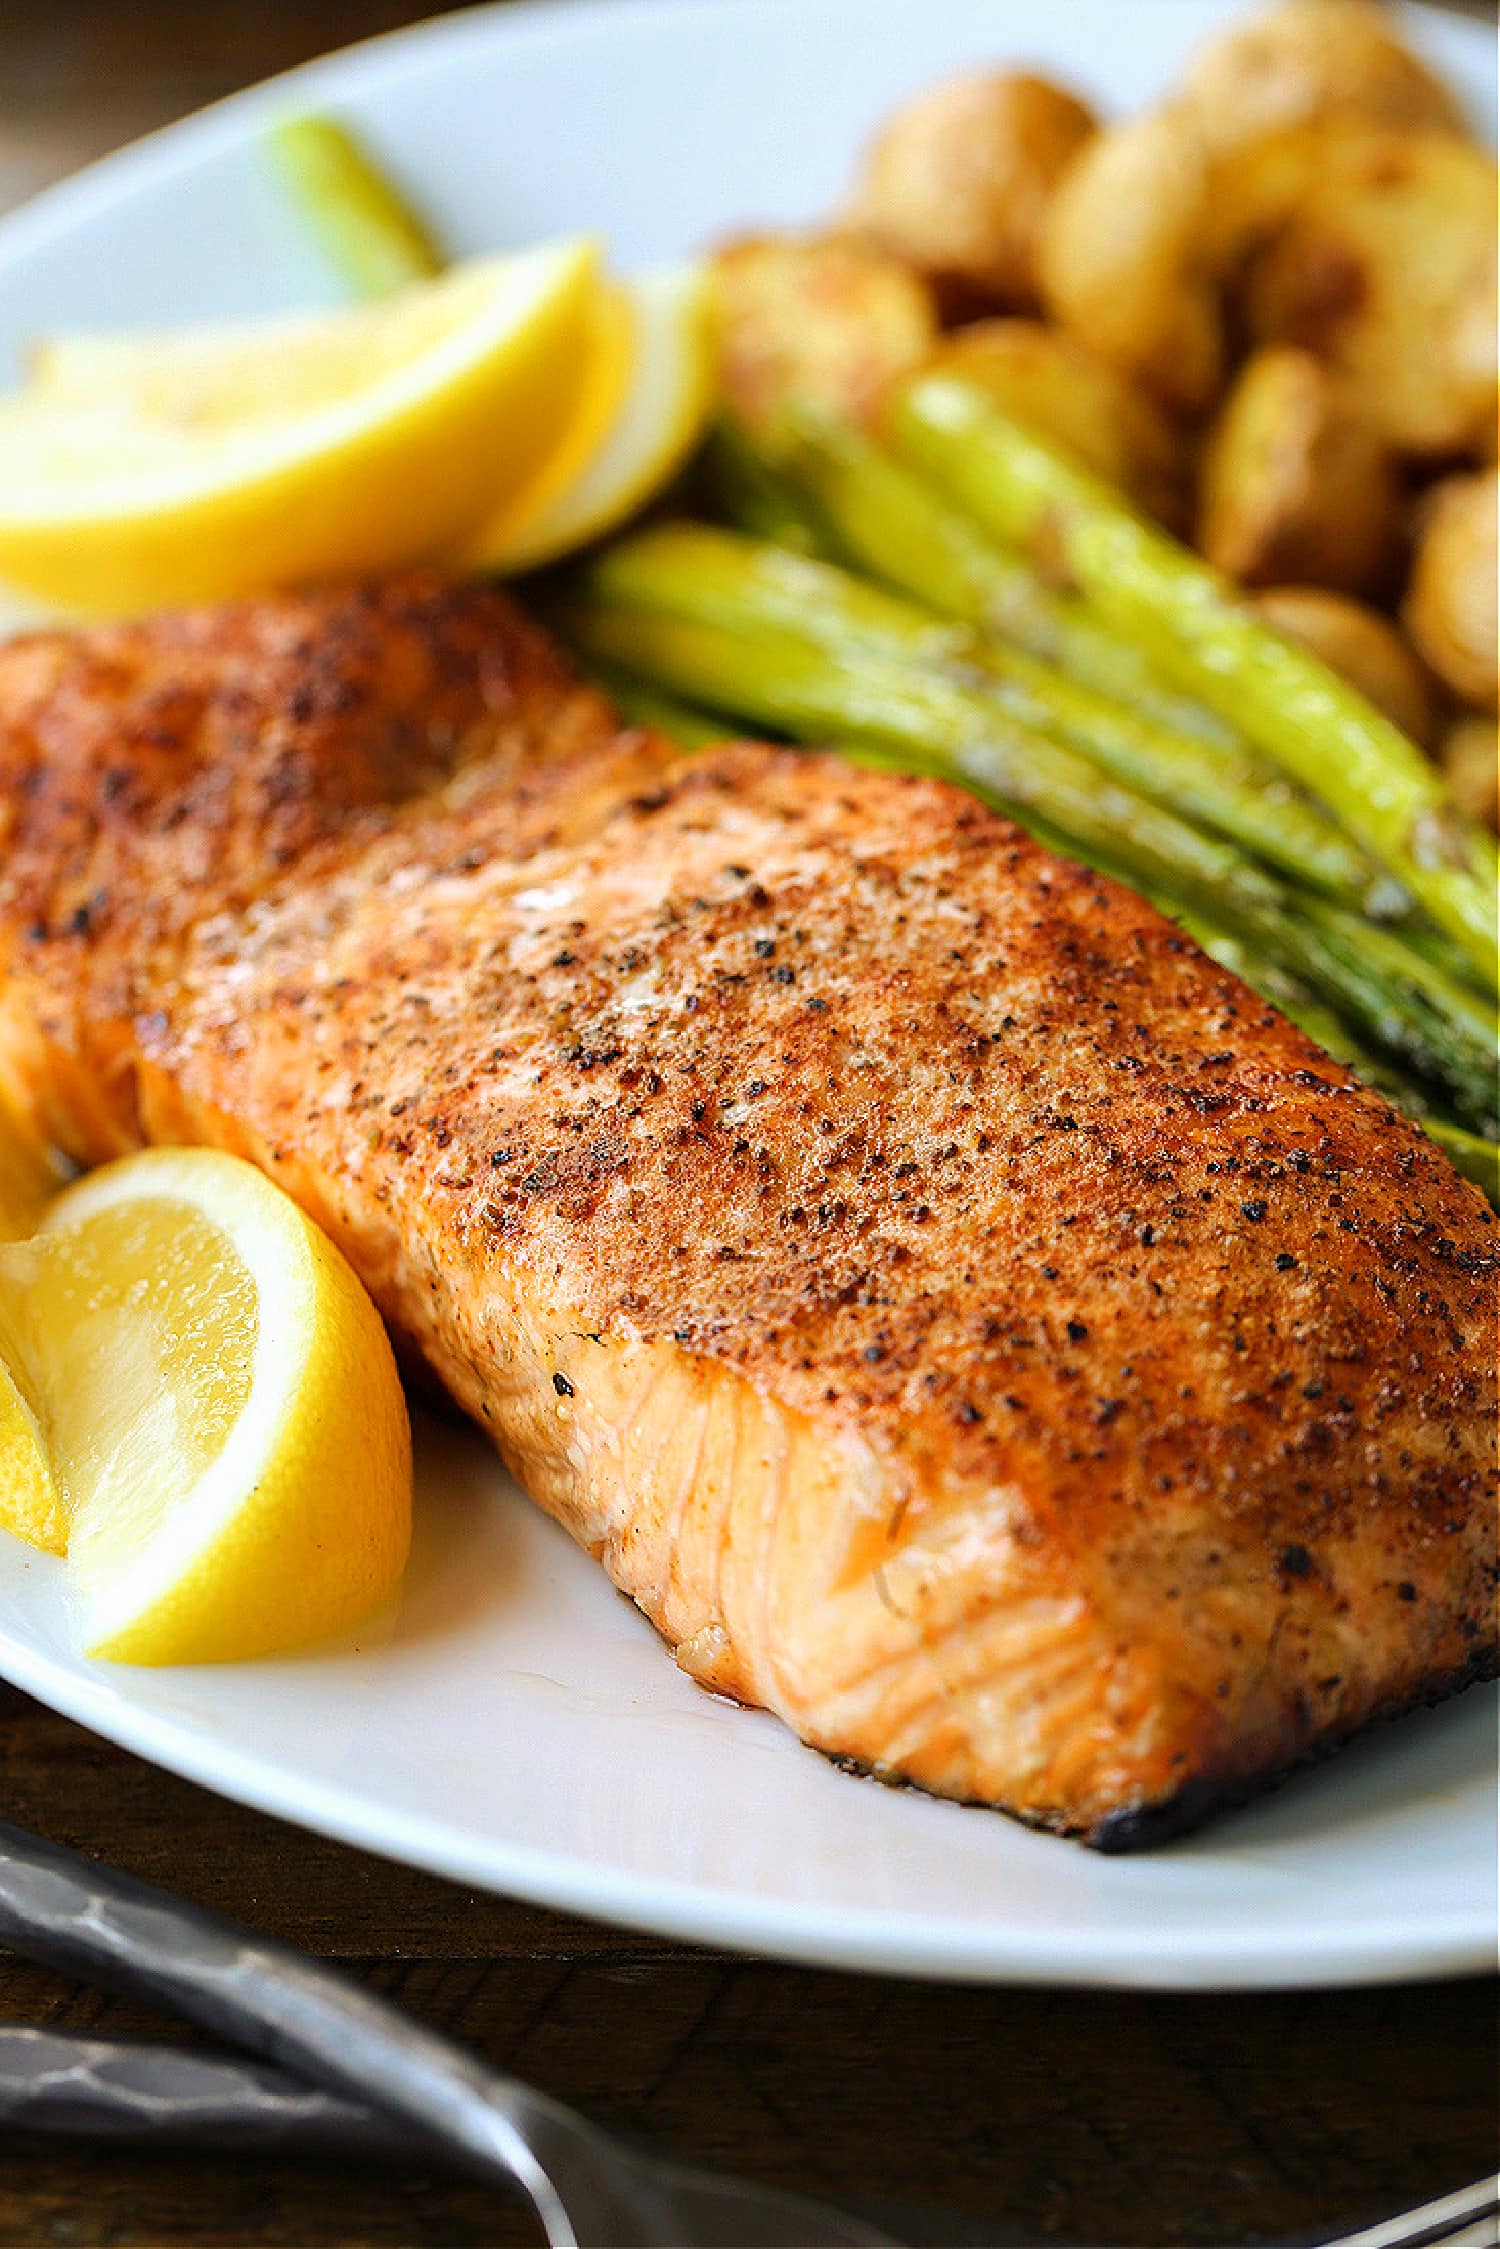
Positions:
(822, 319)
(1469, 754)
(1124, 263)
(1385, 268)
(957, 183)
(1451, 602)
(1361, 645)
(1295, 486)
(1305, 62)
(1472, 366)
(1045, 377)
(1257, 185)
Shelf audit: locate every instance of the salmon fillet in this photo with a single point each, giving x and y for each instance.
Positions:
(966, 1320)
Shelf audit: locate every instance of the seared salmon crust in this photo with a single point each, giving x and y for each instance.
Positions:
(964, 1318)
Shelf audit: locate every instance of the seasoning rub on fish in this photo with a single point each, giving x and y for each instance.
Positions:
(965, 1319)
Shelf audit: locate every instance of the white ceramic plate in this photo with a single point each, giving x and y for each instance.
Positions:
(514, 1723)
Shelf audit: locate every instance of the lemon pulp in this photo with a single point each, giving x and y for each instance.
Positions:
(142, 1327)
(212, 1404)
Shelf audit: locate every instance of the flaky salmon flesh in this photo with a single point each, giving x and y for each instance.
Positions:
(966, 1320)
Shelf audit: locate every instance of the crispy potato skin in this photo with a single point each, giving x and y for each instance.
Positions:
(1295, 486)
(1308, 61)
(828, 320)
(1451, 602)
(964, 1318)
(1360, 644)
(1256, 186)
(1124, 261)
(1384, 267)
(957, 183)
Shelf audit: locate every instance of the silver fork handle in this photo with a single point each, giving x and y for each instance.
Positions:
(589, 2191)
(129, 2092)
(91, 1920)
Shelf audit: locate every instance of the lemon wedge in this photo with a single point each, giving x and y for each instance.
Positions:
(220, 1407)
(195, 464)
(31, 1506)
(638, 416)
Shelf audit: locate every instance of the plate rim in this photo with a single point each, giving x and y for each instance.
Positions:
(862, 1939)
(858, 1939)
(65, 201)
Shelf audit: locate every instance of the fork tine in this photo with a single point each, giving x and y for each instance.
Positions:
(1469, 2216)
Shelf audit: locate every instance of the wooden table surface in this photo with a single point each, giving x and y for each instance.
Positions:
(984, 2116)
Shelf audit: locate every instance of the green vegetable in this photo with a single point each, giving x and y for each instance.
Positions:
(372, 235)
(1471, 1154)
(723, 578)
(1187, 619)
(645, 705)
(1475, 1158)
(788, 681)
(882, 518)
(1412, 1004)
(862, 697)
(734, 477)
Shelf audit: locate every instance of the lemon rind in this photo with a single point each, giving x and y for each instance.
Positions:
(608, 373)
(673, 357)
(390, 476)
(263, 455)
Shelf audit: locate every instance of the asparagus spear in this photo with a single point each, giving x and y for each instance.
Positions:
(1435, 945)
(724, 578)
(736, 478)
(1294, 999)
(1314, 724)
(373, 236)
(695, 569)
(880, 757)
(818, 694)
(893, 522)
(787, 680)
(1330, 946)
(647, 705)
(1476, 1158)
